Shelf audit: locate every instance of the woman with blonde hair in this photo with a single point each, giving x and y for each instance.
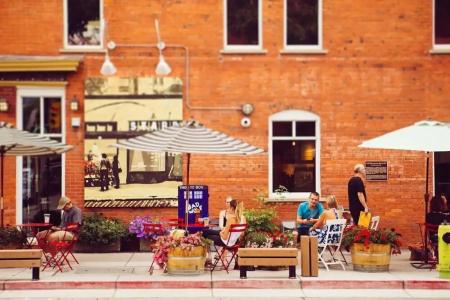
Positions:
(234, 216)
(332, 213)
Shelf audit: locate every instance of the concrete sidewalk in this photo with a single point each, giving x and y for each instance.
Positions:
(118, 271)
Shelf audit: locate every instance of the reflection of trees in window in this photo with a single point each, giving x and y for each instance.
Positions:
(52, 115)
(302, 22)
(31, 114)
(83, 22)
(242, 22)
(442, 24)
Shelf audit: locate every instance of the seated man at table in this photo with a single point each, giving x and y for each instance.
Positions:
(308, 214)
(71, 216)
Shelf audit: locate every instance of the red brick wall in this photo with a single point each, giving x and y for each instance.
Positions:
(377, 76)
(9, 178)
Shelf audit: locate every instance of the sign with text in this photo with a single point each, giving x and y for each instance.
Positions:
(376, 170)
(198, 201)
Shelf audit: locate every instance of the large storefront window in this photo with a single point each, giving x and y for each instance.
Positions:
(41, 180)
(294, 154)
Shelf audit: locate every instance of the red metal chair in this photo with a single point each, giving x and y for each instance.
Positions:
(155, 230)
(67, 244)
(57, 252)
(231, 245)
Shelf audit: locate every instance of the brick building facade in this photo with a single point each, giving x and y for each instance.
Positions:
(376, 68)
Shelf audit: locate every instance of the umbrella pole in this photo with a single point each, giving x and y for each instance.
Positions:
(426, 196)
(1, 200)
(186, 220)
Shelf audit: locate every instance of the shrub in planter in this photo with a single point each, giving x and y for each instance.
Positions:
(12, 238)
(100, 234)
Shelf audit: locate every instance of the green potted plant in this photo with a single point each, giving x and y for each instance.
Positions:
(100, 234)
(11, 238)
(371, 249)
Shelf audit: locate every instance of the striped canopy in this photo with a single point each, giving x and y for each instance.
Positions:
(191, 137)
(15, 142)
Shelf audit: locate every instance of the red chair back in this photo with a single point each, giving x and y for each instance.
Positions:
(236, 231)
(153, 228)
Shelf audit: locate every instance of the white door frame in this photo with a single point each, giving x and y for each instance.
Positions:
(24, 91)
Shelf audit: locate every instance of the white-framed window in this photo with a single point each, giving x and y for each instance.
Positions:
(294, 154)
(441, 25)
(83, 24)
(302, 25)
(40, 180)
(242, 23)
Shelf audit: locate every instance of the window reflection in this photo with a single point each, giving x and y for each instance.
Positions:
(442, 24)
(52, 115)
(31, 115)
(242, 22)
(302, 22)
(83, 22)
(294, 165)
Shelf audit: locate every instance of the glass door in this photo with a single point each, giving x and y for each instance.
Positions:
(41, 175)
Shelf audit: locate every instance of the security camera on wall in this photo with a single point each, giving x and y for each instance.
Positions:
(246, 122)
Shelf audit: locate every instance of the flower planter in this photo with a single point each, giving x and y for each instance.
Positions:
(186, 262)
(146, 245)
(374, 258)
(97, 248)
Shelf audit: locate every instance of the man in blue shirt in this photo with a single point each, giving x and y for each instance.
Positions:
(308, 213)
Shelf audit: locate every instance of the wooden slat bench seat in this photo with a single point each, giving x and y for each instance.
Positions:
(267, 257)
(22, 258)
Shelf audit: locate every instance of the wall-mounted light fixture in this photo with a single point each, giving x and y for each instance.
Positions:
(74, 104)
(162, 68)
(4, 106)
(247, 109)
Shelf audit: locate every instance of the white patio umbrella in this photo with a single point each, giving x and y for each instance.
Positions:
(427, 136)
(191, 137)
(15, 142)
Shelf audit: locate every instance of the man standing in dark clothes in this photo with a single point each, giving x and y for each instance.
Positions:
(357, 193)
(105, 166)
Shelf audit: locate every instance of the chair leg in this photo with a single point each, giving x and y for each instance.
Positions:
(216, 260)
(228, 263)
(343, 257)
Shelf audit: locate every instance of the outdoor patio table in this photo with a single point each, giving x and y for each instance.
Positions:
(31, 229)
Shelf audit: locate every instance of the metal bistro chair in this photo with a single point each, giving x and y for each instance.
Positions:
(428, 233)
(231, 245)
(67, 244)
(374, 223)
(154, 229)
(332, 242)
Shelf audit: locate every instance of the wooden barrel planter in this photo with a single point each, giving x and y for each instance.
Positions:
(186, 262)
(373, 258)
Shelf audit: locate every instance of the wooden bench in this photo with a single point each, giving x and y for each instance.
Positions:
(267, 257)
(22, 258)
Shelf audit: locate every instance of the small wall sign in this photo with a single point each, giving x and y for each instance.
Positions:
(376, 170)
